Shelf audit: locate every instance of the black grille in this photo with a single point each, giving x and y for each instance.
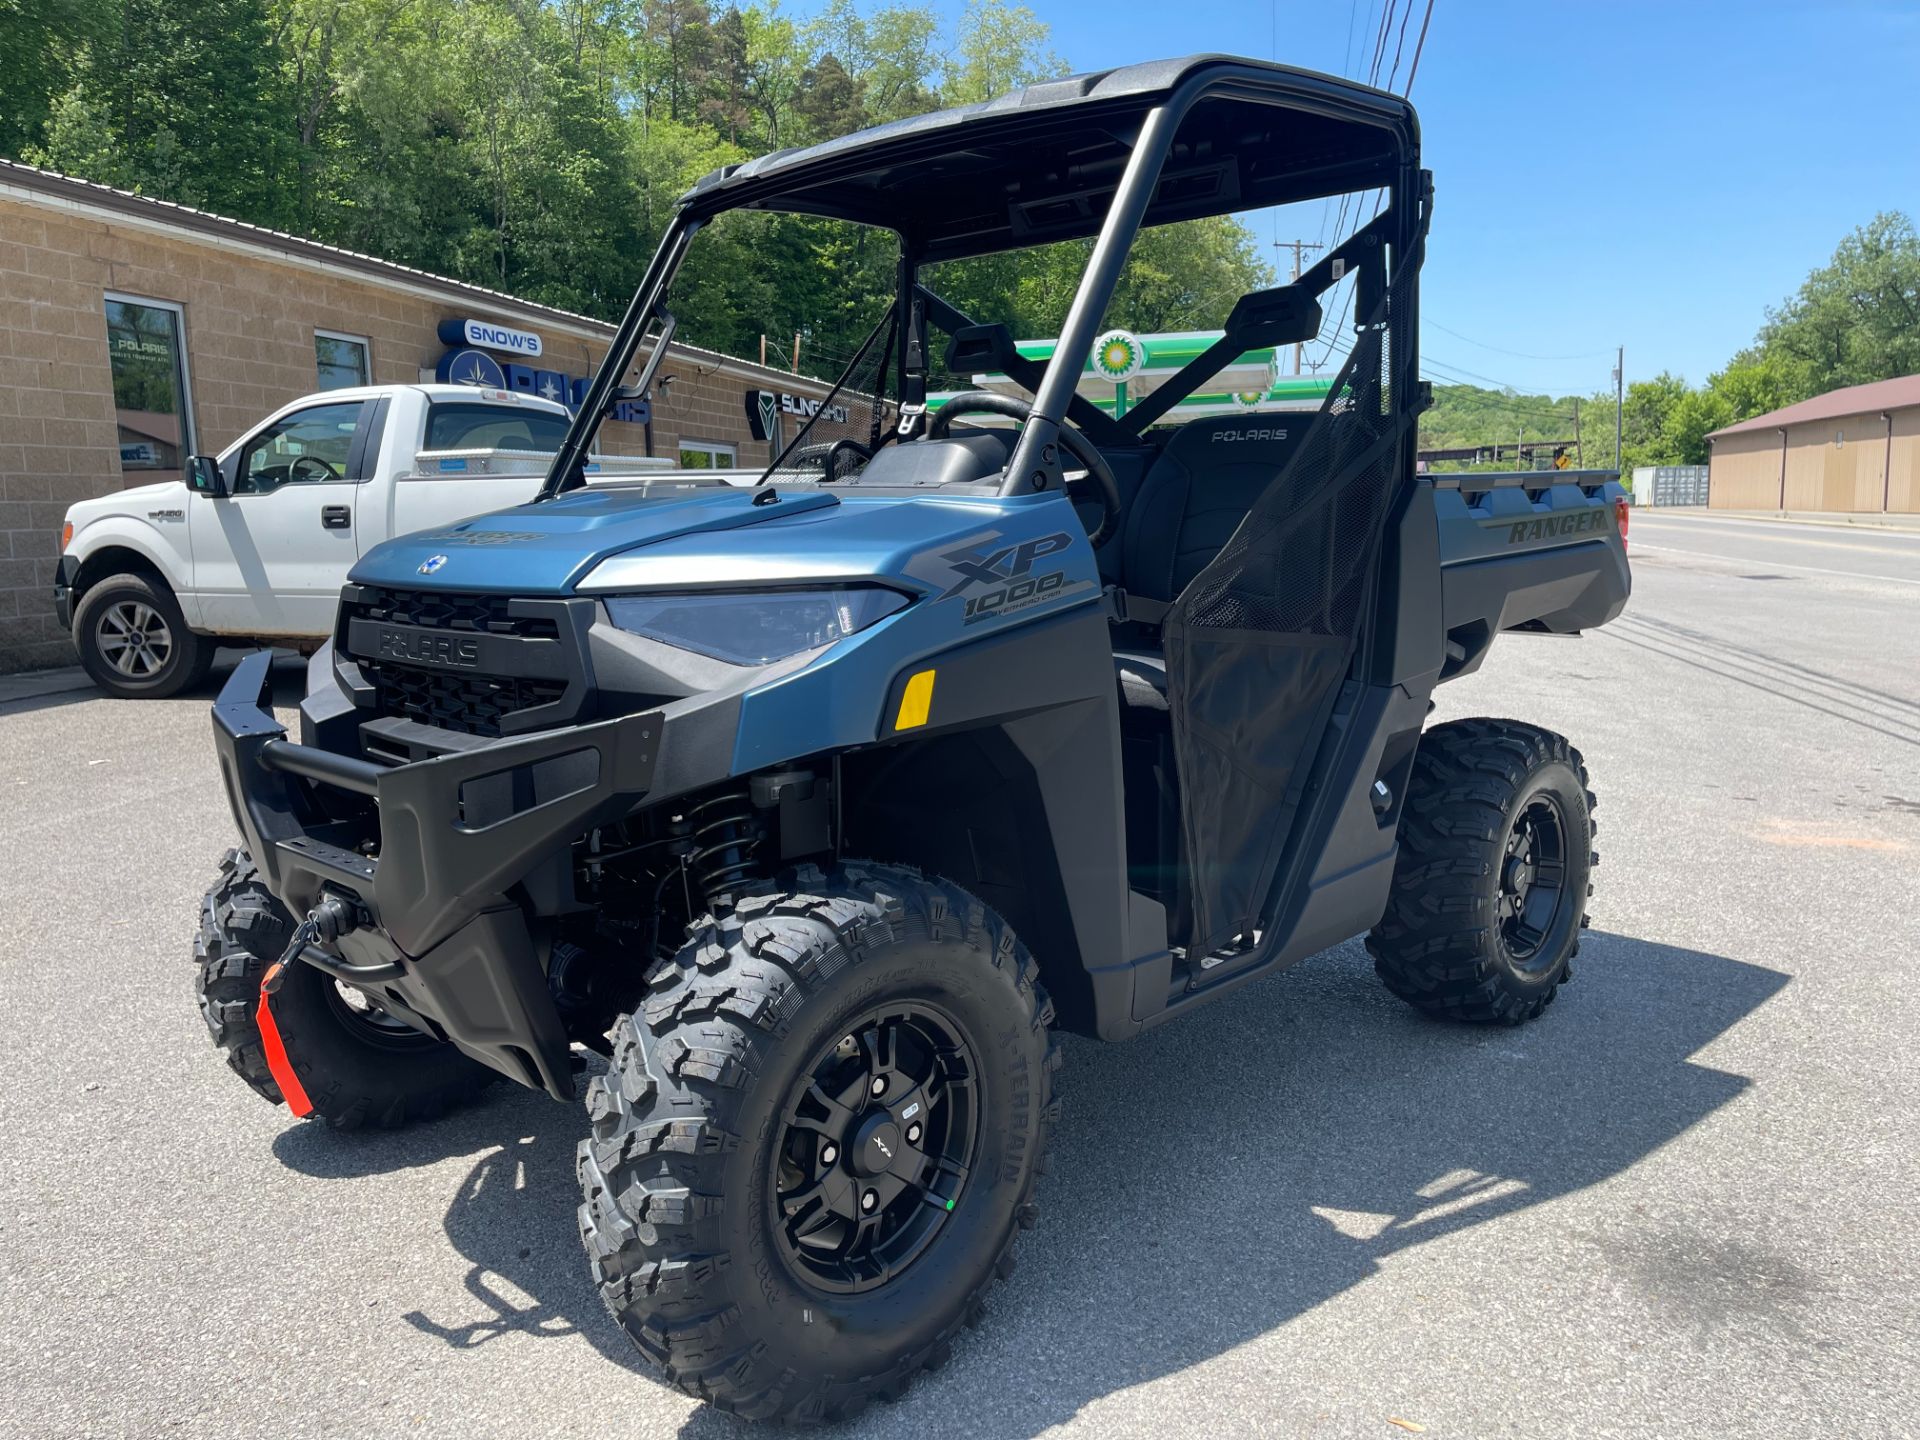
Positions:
(436, 611)
(453, 700)
(475, 704)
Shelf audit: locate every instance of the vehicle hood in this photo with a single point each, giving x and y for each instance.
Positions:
(137, 502)
(596, 542)
(543, 549)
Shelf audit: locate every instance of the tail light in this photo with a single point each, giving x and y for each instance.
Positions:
(1621, 509)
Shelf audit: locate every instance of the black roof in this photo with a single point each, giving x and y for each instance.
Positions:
(1039, 164)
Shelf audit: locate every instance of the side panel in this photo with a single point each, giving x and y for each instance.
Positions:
(1547, 559)
(1012, 788)
(1005, 569)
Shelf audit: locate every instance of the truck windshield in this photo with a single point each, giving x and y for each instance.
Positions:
(459, 426)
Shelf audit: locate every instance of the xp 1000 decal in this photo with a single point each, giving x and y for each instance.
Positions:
(992, 577)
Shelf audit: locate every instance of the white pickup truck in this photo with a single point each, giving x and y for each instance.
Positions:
(255, 544)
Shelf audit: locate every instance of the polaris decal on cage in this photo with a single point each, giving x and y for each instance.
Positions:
(1002, 574)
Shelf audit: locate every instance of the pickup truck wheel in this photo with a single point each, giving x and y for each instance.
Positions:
(1491, 884)
(817, 1140)
(135, 643)
(358, 1065)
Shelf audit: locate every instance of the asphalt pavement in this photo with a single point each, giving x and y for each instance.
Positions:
(1681, 1203)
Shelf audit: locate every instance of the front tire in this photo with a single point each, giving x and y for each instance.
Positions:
(134, 641)
(755, 1102)
(358, 1066)
(1490, 887)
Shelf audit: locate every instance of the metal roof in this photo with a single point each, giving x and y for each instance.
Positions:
(1038, 164)
(1871, 399)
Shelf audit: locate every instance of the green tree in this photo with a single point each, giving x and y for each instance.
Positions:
(1857, 318)
(1695, 415)
(45, 46)
(1755, 384)
(1000, 47)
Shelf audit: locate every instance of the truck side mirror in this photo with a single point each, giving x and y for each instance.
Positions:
(204, 477)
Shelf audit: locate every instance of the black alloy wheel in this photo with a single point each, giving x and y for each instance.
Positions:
(1495, 866)
(817, 1138)
(1533, 883)
(876, 1141)
(362, 1016)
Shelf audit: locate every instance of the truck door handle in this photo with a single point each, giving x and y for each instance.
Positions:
(336, 517)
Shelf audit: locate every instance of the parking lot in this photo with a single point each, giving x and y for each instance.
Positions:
(1681, 1203)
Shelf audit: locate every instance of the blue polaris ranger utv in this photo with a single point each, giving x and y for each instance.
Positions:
(818, 800)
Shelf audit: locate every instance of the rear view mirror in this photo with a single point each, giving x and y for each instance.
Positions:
(204, 477)
(1284, 315)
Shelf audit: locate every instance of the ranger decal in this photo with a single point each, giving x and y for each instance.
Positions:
(1554, 527)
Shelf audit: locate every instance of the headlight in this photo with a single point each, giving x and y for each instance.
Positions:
(752, 628)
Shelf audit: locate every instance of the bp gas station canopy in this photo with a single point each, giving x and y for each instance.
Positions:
(1124, 368)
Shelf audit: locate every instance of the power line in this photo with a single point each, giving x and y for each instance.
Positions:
(1419, 46)
(1380, 197)
(1401, 44)
(1517, 354)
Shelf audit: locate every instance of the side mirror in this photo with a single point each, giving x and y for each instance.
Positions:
(204, 477)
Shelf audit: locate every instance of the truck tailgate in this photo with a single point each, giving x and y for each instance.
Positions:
(1542, 551)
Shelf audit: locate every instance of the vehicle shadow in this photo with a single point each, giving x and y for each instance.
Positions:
(53, 690)
(1210, 1181)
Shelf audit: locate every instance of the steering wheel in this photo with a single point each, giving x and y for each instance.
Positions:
(327, 469)
(1098, 483)
(827, 454)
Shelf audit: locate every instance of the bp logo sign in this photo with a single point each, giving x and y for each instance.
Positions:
(1118, 356)
(1249, 399)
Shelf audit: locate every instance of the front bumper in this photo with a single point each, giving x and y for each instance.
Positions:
(63, 579)
(454, 835)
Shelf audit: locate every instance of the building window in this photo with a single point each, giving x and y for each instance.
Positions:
(146, 348)
(340, 359)
(707, 455)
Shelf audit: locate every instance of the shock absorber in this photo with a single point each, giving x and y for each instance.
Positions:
(725, 833)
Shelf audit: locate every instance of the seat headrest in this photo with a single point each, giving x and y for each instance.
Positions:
(1266, 440)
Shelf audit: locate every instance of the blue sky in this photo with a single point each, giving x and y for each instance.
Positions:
(1647, 175)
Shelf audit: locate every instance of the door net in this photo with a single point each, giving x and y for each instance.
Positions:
(1258, 644)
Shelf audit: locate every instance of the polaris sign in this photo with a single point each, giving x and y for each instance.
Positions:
(464, 364)
(490, 336)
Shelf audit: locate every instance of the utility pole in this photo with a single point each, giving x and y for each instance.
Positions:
(1297, 246)
(1619, 398)
(1579, 456)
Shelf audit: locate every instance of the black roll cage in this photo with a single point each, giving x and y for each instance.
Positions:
(1035, 464)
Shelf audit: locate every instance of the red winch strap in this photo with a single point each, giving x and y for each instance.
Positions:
(291, 1089)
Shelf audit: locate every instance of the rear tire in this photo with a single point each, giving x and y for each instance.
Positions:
(134, 641)
(690, 1175)
(357, 1067)
(1491, 884)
